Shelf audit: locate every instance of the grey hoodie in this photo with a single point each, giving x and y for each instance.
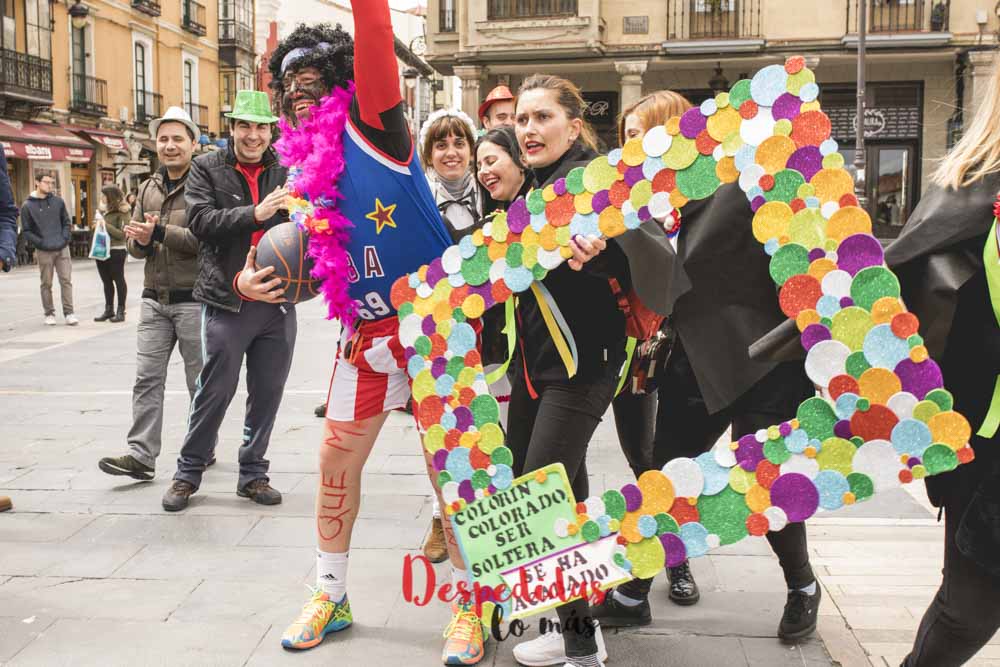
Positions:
(45, 222)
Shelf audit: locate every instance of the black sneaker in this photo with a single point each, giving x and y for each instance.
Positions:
(126, 465)
(683, 588)
(177, 496)
(261, 492)
(613, 614)
(320, 411)
(801, 614)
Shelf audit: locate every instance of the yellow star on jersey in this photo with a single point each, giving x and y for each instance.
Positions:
(382, 216)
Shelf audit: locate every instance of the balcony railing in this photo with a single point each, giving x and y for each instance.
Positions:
(199, 114)
(446, 20)
(193, 17)
(900, 16)
(233, 33)
(529, 9)
(713, 19)
(25, 75)
(151, 7)
(147, 106)
(90, 95)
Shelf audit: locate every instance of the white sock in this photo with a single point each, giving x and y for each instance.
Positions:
(625, 600)
(436, 506)
(457, 576)
(810, 589)
(331, 574)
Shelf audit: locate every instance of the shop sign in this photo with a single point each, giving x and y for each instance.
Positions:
(36, 152)
(600, 108)
(880, 122)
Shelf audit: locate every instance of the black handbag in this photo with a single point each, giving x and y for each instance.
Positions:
(651, 356)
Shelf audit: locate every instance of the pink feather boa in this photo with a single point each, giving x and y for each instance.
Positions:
(314, 152)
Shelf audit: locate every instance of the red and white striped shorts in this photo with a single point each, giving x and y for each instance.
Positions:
(369, 376)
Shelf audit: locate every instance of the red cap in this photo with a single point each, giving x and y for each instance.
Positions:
(496, 95)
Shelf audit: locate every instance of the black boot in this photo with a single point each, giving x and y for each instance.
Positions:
(106, 315)
(119, 316)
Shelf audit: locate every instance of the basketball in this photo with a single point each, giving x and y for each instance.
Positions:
(285, 248)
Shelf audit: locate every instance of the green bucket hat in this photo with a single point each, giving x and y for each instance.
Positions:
(252, 106)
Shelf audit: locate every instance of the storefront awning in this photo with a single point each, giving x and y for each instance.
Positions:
(113, 141)
(35, 141)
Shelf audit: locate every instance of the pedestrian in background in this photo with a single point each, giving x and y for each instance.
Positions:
(159, 234)
(8, 246)
(233, 197)
(46, 225)
(112, 270)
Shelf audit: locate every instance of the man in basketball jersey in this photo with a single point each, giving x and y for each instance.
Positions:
(233, 197)
(397, 228)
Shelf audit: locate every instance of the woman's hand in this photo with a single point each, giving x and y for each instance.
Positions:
(253, 284)
(585, 248)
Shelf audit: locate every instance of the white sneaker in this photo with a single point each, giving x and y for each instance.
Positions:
(50, 320)
(569, 664)
(548, 649)
(71, 320)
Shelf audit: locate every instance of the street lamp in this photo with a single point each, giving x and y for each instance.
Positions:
(859, 132)
(718, 83)
(78, 14)
(410, 75)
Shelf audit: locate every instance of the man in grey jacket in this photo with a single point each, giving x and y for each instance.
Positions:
(46, 224)
(170, 316)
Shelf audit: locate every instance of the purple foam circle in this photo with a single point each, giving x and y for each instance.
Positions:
(559, 186)
(816, 253)
(601, 201)
(919, 378)
(796, 495)
(518, 216)
(749, 453)
(440, 459)
(859, 251)
(439, 367)
(633, 497)
(435, 272)
(842, 429)
(807, 161)
(786, 106)
(428, 326)
(814, 333)
(692, 122)
(463, 418)
(673, 549)
(633, 175)
(465, 491)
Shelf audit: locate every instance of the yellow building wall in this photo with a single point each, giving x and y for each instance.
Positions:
(112, 56)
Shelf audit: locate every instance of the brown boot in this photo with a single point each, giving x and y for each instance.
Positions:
(5, 504)
(436, 547)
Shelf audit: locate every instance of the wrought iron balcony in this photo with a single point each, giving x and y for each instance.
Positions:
(151, 7)
(193, 18)
(901, 16)
(527, 9)
(147, 106)
(234, 33)
(713, 19)
(90, 95)
(26, 77)
(199, 114)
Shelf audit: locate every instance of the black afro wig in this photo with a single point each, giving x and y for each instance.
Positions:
(335, 63)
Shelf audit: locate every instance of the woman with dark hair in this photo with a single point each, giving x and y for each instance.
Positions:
(112, 270)
(445, 145)
(557, 403)
(500, 171)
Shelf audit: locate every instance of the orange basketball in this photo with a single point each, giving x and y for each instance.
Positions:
(285, 247)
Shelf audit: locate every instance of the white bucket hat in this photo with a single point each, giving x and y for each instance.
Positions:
(175, 115)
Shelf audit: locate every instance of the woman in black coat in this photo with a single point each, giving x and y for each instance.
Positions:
(939, 259)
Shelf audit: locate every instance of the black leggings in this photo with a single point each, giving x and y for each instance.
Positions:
(556, 428)
(112, 272)
(635, 421)
(685, 428)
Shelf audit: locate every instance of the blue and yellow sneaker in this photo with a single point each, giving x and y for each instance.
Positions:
(320, 616)
(464, 636)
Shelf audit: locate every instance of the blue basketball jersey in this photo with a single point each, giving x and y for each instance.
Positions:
(397, 227)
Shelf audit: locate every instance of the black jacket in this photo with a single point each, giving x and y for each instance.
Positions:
(45, 222)
(585, 300)
(722, 296)
(220, 215)
(939, 261)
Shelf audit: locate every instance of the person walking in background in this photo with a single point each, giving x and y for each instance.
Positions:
(112, 270)
(159, 234)
(8, 246)
(233, 197)
(131, 197)
(46, 225)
